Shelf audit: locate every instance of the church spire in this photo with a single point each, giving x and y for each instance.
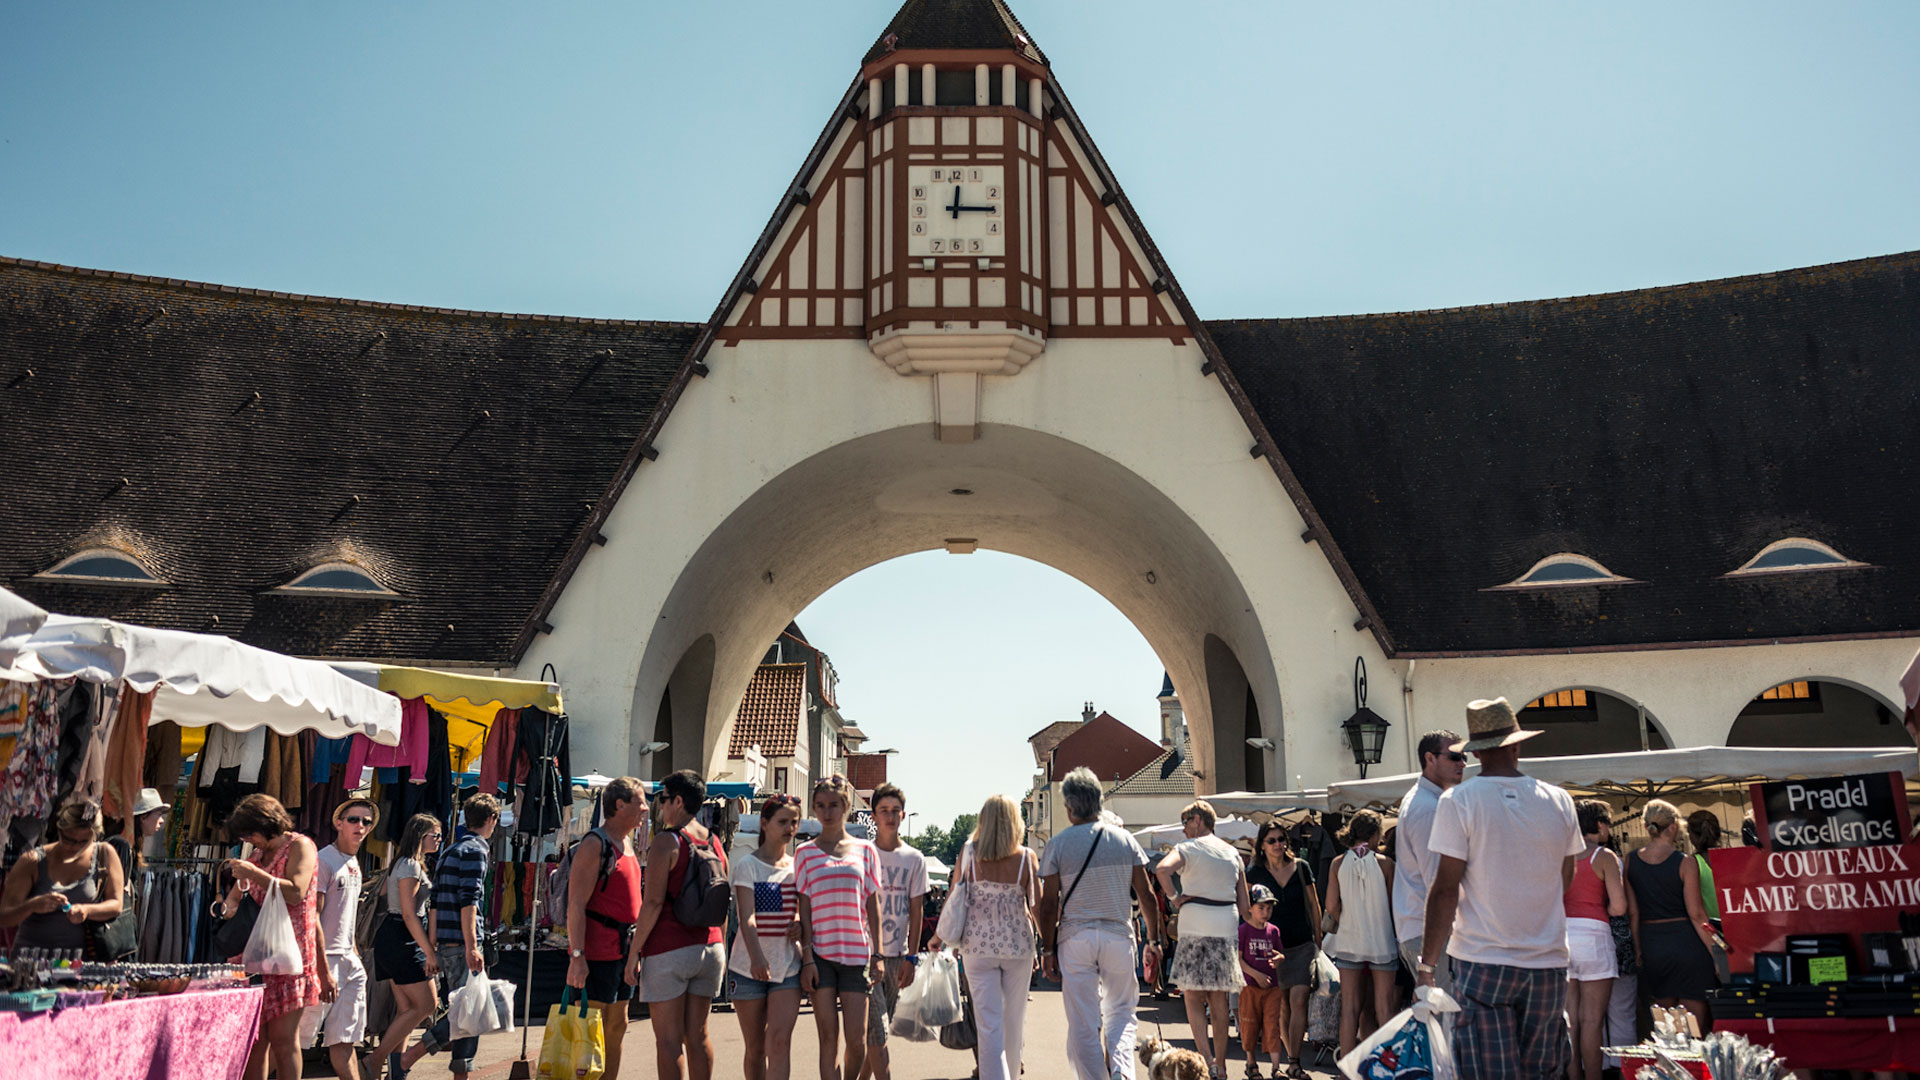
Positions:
(952, 25)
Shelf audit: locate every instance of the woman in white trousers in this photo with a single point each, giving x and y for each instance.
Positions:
(1002, 889)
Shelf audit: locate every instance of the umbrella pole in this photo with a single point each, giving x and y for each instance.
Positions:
(549, 763)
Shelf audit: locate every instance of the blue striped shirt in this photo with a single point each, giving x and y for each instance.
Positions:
(460, 882)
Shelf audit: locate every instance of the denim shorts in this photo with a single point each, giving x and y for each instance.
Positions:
(746, 988)
(843, 977)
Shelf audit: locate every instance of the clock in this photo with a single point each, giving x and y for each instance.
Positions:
(956, 210)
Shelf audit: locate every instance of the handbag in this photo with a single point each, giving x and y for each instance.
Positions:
(952, 926)
(962, 1034)
(574, 1045)
(230, 937)
(118, 937)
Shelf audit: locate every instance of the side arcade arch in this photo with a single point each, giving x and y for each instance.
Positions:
(1585, 719)
(1014, 490)
(1818, 711)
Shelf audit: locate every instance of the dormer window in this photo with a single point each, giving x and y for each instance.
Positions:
(1564, 569)
(335, 579)
(1795, 553)
(99, 566)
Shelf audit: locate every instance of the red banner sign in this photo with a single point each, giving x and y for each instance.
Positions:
(1766, 895)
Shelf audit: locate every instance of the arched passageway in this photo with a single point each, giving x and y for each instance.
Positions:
(1588, 720)
(1014, 490)
(1817, 712)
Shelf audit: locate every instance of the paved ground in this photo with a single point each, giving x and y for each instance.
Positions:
(1045, 1053)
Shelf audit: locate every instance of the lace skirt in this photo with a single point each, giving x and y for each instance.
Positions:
(1206, 963)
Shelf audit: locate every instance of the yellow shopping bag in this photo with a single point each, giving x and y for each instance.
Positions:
(574, 1046)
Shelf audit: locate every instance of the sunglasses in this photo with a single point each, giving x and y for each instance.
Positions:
(355, 819)
(1456, 756)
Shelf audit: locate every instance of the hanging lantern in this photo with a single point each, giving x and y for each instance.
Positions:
(1366, 730)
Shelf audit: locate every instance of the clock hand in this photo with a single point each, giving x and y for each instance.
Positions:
(955, 208)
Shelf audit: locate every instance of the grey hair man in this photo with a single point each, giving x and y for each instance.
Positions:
(1088, 871)
(1441, 767)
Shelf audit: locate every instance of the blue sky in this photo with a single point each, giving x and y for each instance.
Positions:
(617, 160)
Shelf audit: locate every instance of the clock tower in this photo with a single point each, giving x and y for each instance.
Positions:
(955, 217)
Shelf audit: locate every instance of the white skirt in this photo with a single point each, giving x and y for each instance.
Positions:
(1206, 963)
(1590, 954)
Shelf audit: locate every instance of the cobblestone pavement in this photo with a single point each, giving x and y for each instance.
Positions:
(1046, 1037)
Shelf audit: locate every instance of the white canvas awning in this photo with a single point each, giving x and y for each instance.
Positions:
(202, 679)
(1650, 773)
(18, 620)
(1230, 829)
(1268, 802)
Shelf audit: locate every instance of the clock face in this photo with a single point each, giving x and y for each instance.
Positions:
(956, 210)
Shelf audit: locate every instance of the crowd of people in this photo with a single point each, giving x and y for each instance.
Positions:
(1501, 890)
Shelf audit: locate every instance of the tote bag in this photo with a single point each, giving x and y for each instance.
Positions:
(952, 927)
(574, 1046)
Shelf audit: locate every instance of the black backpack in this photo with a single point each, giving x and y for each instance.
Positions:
(704, 895)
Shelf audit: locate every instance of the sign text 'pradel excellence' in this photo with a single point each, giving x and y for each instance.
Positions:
(1873, 865)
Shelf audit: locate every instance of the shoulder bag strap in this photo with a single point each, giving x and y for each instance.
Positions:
(1084, 863)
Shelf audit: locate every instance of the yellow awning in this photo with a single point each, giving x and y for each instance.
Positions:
(467, 726)
(484, 694)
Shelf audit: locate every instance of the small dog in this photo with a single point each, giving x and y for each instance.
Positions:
(1164, 1061)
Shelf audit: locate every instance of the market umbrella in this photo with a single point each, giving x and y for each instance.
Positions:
(1230, 829)
(18, 620)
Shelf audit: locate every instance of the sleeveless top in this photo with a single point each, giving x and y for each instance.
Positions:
(1366, 913)
(1657, 888)
(1586, 896)
(51, 929)
(1210, 868)
(997, 923)
(290, 993)
(670, 933)
(617, 898)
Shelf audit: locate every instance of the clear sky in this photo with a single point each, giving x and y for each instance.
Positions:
(617, 159)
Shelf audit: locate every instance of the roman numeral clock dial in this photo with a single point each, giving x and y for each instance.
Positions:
(956, 210)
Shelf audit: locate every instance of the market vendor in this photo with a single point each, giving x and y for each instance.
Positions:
(56, 889)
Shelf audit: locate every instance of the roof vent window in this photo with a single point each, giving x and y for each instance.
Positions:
(1565, 568)
(100, 566)
(336, 579)
(1796, 553)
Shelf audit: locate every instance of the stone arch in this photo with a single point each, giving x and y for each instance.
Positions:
(1610, 724)
(681, 717)
(1837, 712)
(1016, 490)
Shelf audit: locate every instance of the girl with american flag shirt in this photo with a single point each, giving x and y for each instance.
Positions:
(763, 968)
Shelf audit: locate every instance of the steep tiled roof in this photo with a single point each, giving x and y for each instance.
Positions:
(1169, 774)
(1049, 737)
(1108, 747)
(954, 24)
(232, 439)
(773, 711)
(1669, 433)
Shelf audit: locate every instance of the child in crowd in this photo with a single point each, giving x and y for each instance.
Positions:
(1260, 1001)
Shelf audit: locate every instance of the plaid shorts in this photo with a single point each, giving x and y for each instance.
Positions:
(1512, 1022)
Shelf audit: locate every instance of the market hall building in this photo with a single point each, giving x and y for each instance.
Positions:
(1674, 516)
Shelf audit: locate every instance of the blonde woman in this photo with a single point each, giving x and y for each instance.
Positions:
(1671, 938)
(1003, 888)
(1212, 902)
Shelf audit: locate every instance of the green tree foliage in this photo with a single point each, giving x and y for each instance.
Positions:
(932, 840)
(957, 838)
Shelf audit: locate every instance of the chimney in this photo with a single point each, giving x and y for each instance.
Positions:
(1086, 714)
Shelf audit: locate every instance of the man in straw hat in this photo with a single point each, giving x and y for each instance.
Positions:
(1506, 844)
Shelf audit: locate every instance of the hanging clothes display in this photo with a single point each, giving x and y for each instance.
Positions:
(496, 757)
(79, 718)
(243, 751)
(549, 791)
(415, 742)
(125, 766)
(27, 783)
(161, 762)
(429, 789)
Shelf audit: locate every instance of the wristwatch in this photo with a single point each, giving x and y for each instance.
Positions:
(577, 953)
(1423, 968)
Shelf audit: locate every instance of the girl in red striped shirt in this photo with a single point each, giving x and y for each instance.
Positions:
(838, 880)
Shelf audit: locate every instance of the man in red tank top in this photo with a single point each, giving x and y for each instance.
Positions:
(601, 911)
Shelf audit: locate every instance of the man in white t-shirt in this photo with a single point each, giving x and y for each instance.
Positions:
(338, 885)
(1441, 767)
(903, 896)
(1506, 844)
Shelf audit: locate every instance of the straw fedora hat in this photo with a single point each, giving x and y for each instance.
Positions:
(1491, 724)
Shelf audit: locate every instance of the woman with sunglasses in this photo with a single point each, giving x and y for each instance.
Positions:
(763, 970)
(402, 952)
(55, 890)
(1296, 912)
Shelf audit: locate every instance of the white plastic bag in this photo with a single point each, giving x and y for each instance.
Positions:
(471, 1010)
(1415, 1043)
(1323, 1007)
(272, 948)
(940, 998)
(502, 1004)
(905, 1023)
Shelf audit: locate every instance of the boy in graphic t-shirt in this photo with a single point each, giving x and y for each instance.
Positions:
(1260, 1000)
(903, 892)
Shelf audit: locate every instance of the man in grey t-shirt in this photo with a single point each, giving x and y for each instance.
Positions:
(1090, 872)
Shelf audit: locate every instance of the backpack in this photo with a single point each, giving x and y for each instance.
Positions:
(704, 895)
(562, 875)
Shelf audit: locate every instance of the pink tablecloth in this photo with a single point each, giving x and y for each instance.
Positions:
(203, 1036)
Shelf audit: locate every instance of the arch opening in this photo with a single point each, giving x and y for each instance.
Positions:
(1589, 720)
(1819, 711)
(1014, 490)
